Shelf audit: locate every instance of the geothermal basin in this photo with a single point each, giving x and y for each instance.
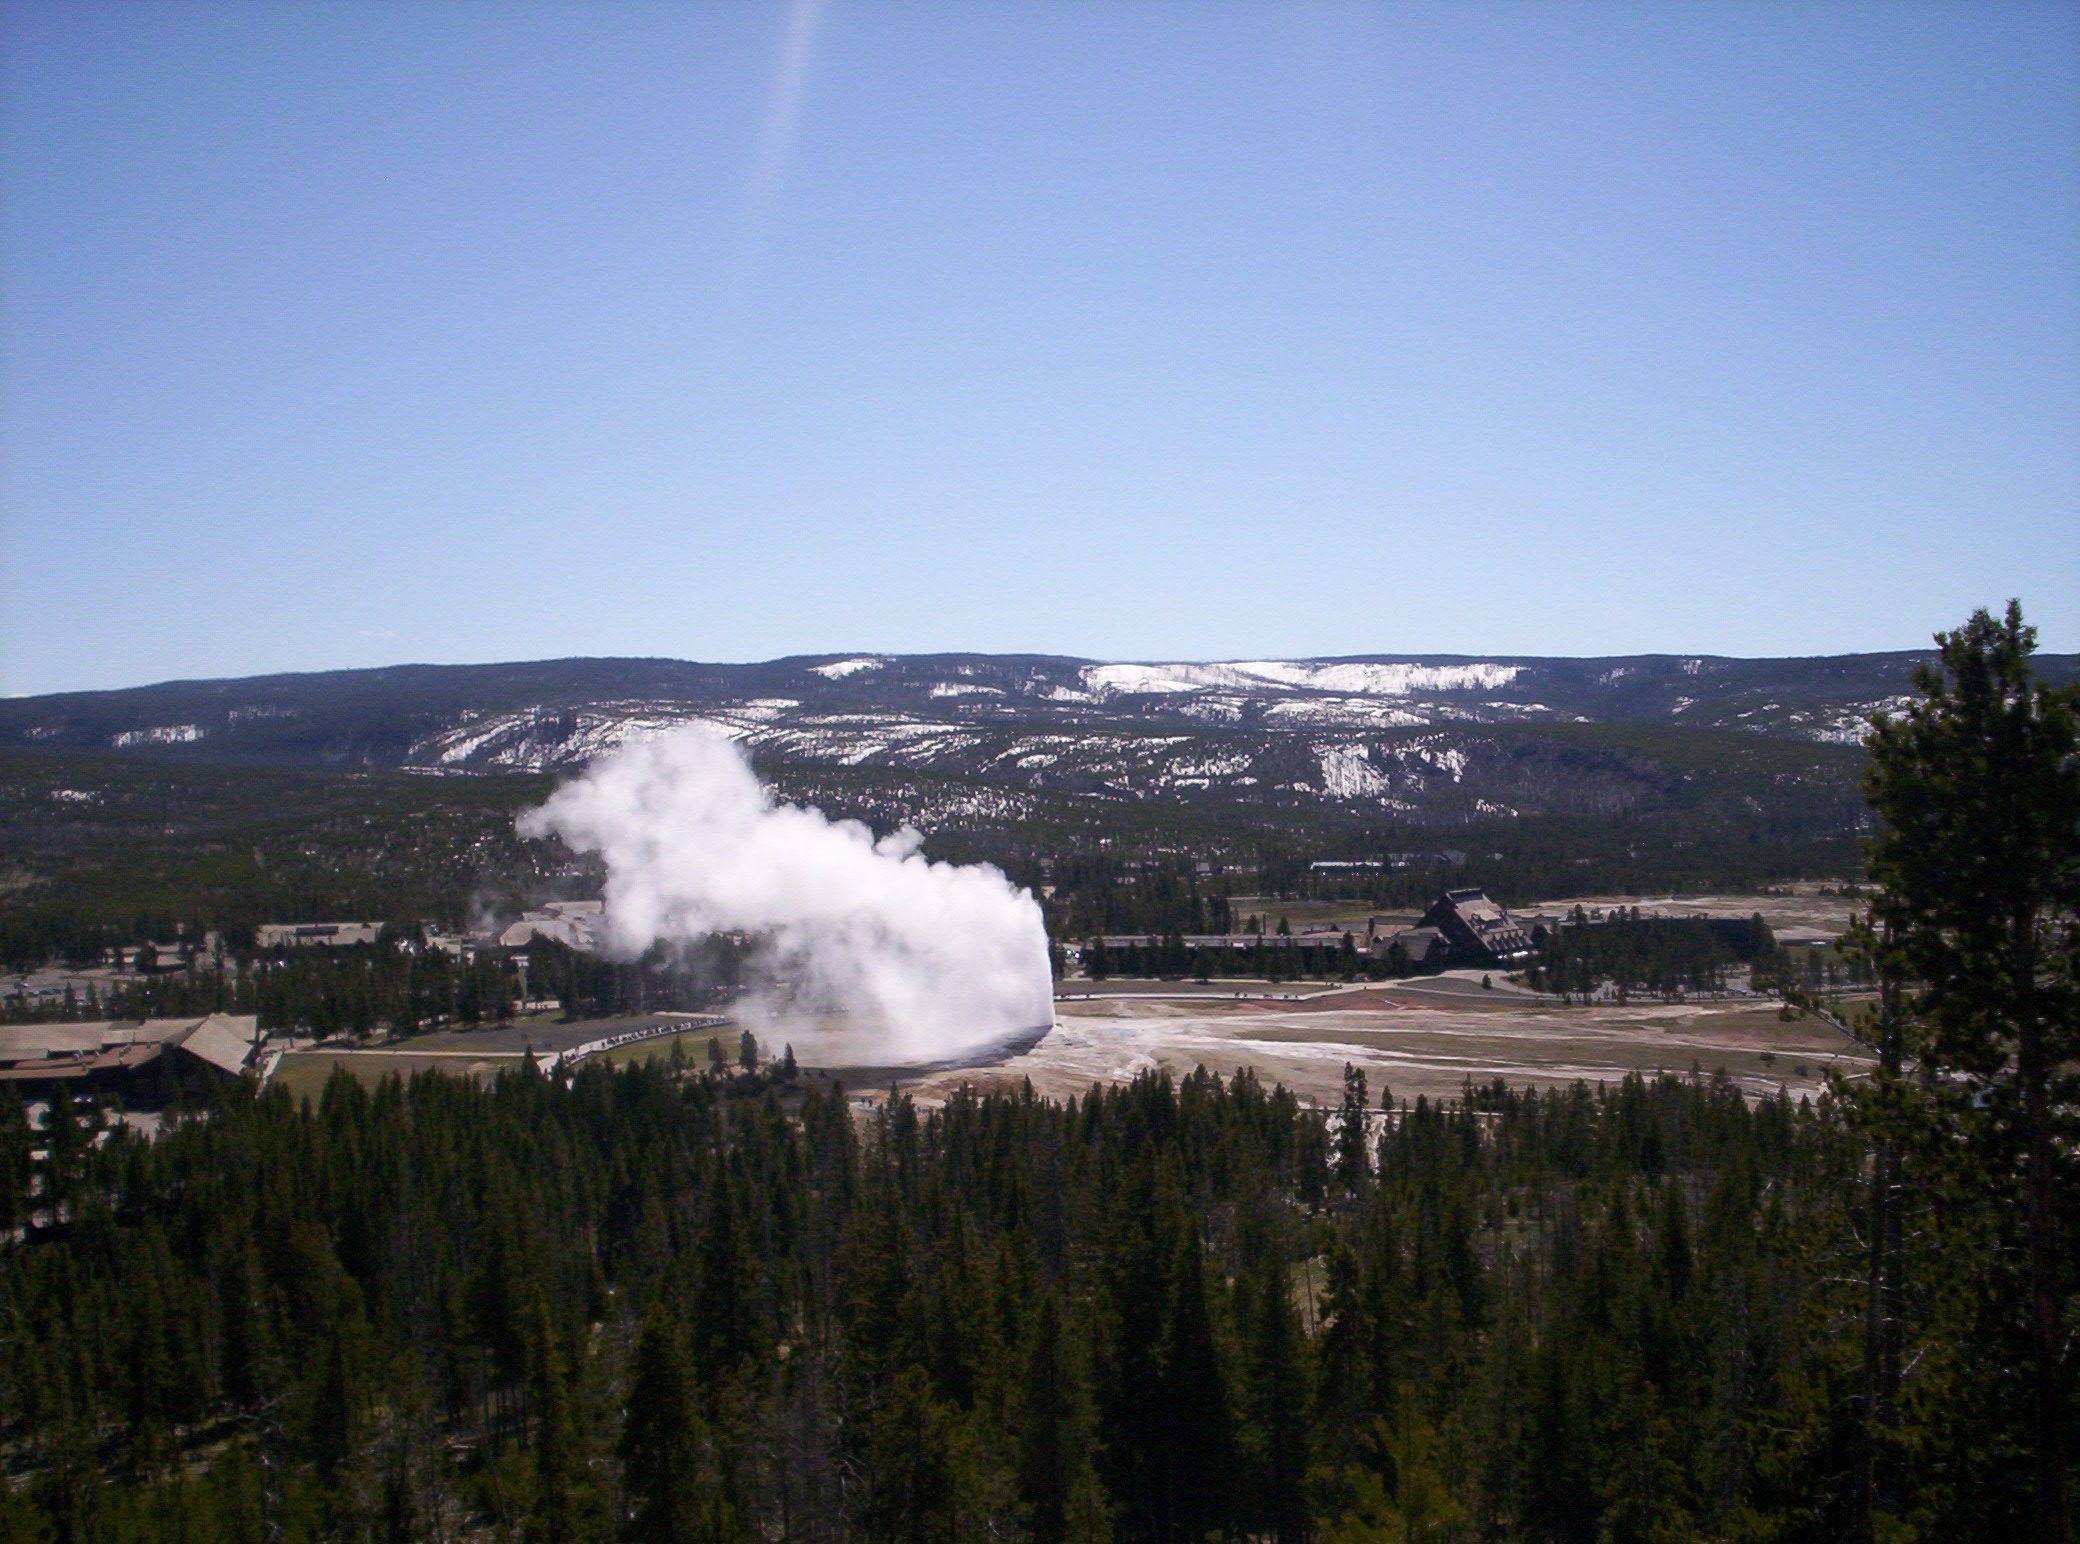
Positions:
(860, 1056)
(1430, 1038)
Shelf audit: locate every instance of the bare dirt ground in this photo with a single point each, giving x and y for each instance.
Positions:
(1801, 910)
(1428, 1036)
(1427, 1040)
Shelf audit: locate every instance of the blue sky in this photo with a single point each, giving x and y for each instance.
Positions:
(353, 334)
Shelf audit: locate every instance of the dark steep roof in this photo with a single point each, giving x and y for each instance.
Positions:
(1478, 929)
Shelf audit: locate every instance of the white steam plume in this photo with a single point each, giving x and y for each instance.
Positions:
(931, 958)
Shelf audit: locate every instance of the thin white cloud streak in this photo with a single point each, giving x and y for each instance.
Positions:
(778, 131)
(927, 959)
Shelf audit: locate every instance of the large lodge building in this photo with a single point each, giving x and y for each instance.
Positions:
(1476, 930)
(144, 1062)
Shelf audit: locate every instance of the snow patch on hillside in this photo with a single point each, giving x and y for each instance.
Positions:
(1202, 767)
(852, 740)
(1391, 680)
(1348, 772)
(159, 734)
(599, 734)
(1344, 710)
(1138, 680)
(1366, 680)
(1852, 725)
(838, 669)
(458, 748)
(543, 739)
(1451, 760)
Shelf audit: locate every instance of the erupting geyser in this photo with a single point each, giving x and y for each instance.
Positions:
(926, 960)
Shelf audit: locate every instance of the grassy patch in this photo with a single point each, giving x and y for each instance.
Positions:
(696, 1042)
(304, 1073)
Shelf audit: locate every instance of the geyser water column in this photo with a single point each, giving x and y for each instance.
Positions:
(926, 961)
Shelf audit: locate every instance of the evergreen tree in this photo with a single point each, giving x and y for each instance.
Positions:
(1192, 1414)
(1274, 1403)
(1055, 1475)
(1353, 1152)
(338, 1406)
(566, 1509)
(929, 1482)
(1977, 868)
(668, 1467)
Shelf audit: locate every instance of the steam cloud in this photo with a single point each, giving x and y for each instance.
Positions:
(929, 958)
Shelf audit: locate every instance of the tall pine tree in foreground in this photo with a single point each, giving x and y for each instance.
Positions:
(1977, 867)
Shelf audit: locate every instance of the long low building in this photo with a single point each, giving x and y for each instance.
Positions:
(141, 1060)
(1233, 943)
(323, 935)
(578, 925)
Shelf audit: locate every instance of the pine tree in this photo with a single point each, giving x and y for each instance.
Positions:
(1416, 1508)
(1196, 1459)
(1274, 1402)
(668, 1468)
(1977, 864)
(337, 1416)
(566, 1502)
(1343, 1359)
(929, 1484)
(1353, 1152)
(723, 1300)
(1055, 1476)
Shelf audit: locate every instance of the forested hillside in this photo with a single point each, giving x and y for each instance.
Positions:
(105, 850)
(391, 794)
(970, 741)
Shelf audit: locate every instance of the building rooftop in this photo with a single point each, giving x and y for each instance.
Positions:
(223, 1040)
(39, 1052)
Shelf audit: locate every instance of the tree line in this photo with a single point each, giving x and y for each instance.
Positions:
(1668, 957)
(1276, 957)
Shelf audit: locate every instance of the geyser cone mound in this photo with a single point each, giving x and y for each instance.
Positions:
(860, 1050)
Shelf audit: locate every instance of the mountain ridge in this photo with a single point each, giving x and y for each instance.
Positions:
(1427, 737)
(808, 660)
